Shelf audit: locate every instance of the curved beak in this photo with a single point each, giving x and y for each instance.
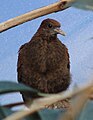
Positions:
(59, 31)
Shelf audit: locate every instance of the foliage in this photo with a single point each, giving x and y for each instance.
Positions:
(6, 87)
(80, 109)
(83, 4)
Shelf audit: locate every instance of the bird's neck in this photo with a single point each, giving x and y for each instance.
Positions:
(45, 36)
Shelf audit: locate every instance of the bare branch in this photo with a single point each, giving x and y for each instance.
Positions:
(14, 104)
(58, 6)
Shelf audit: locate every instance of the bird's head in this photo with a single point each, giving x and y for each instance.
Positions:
(50, 27)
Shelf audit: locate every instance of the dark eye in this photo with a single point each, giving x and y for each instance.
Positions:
(49, 25)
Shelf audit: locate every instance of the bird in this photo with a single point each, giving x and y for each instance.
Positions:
(43, 62)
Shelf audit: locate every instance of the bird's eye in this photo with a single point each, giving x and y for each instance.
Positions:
(49, 25)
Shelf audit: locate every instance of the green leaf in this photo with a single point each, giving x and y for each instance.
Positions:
(83, 4)
(6, 87)
(4, 112)
(35, 116)
(47, 114)
(87, 112)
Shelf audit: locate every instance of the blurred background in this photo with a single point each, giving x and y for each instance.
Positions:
(78, 25)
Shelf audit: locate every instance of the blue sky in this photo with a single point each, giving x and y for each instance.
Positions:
(78, 25)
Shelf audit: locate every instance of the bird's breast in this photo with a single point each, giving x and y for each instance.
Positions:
(55, 56)
(46, 56)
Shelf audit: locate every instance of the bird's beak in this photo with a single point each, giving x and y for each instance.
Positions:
(59, 31)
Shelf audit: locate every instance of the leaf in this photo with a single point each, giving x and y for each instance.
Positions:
(4, 112)
(78, 102)
(48, 114)
(87, 113)
(35, 116)
(83, 4)
(6, 87)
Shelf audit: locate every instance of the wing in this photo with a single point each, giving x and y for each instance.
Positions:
(31, 64)
(20, 62)
(32, 57)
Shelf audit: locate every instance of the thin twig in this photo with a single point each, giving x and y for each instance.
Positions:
(14, 104)
(58, 6)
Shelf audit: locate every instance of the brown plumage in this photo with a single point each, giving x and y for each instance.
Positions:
(43, 62)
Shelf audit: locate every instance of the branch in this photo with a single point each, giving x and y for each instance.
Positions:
(58, 6)
(14, 104)
(46, 101)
